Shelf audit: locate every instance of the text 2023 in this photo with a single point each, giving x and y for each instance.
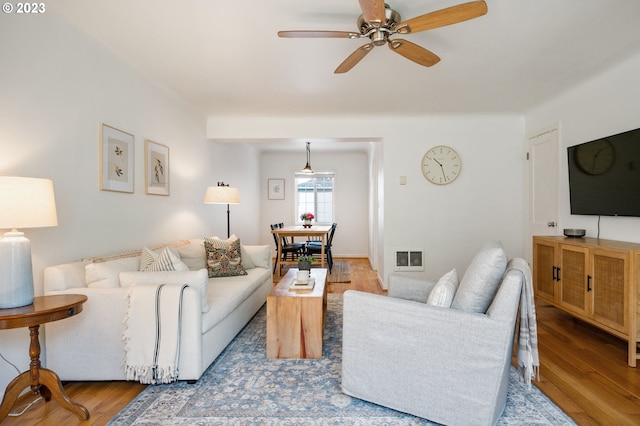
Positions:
(30, 8)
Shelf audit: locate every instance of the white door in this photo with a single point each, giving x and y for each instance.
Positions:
(544, 156)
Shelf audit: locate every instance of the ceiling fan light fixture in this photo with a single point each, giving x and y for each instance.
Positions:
(379, 38)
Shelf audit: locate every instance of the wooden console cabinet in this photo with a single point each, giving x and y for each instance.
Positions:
(595, 280)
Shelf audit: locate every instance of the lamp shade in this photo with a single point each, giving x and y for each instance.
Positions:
(26, 203)
(222, 195)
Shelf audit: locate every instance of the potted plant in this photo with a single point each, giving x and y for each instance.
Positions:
(306, 218)
(304, 262)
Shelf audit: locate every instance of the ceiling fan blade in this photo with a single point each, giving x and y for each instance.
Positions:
(443, 17)
(318, 34)
(373, 11)
(412, 51)
(354, 58)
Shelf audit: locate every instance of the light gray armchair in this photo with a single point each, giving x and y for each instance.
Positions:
(443, 364)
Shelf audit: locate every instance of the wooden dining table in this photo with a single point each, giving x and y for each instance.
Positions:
(320, 231)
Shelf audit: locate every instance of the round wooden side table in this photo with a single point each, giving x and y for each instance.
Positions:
(42, 380)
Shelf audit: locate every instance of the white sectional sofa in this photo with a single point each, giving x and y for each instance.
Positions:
(90, 346)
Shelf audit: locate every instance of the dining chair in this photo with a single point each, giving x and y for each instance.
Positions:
(289, 242)
(295, 249)
(315, 247)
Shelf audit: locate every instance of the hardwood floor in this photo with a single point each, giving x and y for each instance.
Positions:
(583, 371)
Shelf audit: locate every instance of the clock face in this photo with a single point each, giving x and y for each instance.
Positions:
(595, 158)
(441, 165)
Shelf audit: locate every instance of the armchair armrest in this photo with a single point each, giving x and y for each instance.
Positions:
(409, 288)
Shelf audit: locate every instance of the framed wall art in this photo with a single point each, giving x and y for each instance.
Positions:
(276, 189)
(156, 168)
(116, 159)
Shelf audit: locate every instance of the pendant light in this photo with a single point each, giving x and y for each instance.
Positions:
(307, 169)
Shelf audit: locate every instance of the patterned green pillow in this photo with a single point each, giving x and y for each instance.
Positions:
(224, 258)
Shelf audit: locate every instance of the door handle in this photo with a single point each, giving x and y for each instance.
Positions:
(589, 283)
(551, 224)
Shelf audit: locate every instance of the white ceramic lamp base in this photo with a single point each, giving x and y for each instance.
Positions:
(16, 273)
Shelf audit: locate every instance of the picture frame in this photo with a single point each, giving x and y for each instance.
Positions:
(117, 149)
(276, 189)
(156, 168)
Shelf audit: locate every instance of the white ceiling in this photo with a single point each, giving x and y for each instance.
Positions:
(224, 56)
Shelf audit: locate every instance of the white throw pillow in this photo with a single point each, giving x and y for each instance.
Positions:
(196, 279)
(480, 282)
(260, 255)
(193, 254)
(167, 260)
(105, 274)
(444, 290)
(247, 260)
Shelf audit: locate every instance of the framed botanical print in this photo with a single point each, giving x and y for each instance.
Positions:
(276, 189)
(116, 159)
(156, 168)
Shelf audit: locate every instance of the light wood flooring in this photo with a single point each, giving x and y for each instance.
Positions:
(583, 371)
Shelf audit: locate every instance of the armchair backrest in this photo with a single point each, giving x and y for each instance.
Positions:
(507, 299)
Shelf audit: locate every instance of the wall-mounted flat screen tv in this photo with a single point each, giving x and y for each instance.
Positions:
(604, 176)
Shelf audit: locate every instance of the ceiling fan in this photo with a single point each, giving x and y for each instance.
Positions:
(379, 22)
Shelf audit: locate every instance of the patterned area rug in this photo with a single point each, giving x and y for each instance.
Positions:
(243, 387)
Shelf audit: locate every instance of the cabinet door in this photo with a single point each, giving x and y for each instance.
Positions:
(610, 272)
(573, 279)
(544, 270)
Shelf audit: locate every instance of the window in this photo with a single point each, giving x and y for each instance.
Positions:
(314, 193)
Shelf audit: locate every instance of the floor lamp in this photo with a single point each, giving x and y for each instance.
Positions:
(24, 203)
(222, 194)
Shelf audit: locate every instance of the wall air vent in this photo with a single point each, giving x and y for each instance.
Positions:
(409, 260)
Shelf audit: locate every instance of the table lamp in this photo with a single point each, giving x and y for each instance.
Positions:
(24, 203)
(222, 194)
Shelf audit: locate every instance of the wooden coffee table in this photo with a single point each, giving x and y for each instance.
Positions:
(295, 318)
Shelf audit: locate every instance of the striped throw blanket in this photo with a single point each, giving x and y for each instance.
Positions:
(528, 360)
(152, 333)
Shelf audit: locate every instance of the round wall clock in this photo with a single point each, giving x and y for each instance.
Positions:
(441, 165)
(595, 158)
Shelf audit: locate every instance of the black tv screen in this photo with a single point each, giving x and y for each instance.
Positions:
(604, 176)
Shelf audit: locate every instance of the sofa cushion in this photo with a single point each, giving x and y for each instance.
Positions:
(196, 279)
(166, 260)
(226, 295)
(105, 274)
(444, 290)
(481, 279)
(224, 258)
(64, 276)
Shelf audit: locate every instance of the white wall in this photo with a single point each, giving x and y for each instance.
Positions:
(450, 223)
(237, 165)
(57, 86)
(351, 196)
(605, 105)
